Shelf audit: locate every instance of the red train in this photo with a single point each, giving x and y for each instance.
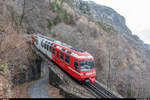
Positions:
(77, 63)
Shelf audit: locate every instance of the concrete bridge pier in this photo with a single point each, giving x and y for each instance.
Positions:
(44, 69)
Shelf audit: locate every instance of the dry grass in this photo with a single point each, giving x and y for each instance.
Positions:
(20, 91)
(13, 49)
(54, 92)
(5, 86)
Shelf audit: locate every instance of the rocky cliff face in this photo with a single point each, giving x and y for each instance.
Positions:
(121, 59)
(102, 13)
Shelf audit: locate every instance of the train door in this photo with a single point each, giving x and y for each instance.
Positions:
(76, 67)
(67, 61)
(50, 51)
(45, 47)
(42, 44)
(53, 54)
(57, 56)
(61, 62)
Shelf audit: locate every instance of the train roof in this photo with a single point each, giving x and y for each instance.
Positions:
(68, 49)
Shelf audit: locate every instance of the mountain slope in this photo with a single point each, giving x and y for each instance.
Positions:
(121, 59)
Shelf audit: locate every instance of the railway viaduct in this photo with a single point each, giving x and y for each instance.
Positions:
(59, 78)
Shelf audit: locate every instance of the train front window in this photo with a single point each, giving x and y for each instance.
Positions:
(86, 65)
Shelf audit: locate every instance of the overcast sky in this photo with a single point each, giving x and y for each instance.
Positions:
(136, 13)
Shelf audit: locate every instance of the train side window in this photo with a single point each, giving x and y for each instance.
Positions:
(57, 53)
(55, 46)
(53, 51)
(67, 59)
(45, 41)
(63, 49)
(47, 46)
(50, 48)
(61, 55)
(76, 66)
(42, 43)
(68, 52)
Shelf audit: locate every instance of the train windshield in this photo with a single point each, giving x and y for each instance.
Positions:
(86, 65)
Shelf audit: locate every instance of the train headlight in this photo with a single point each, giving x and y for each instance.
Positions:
(83, 74)
(87, 73)
(90, 73)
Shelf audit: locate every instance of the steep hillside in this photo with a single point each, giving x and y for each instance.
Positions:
(101, 13)
(121, 59)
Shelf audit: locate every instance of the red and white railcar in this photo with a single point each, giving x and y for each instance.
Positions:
(77, 63)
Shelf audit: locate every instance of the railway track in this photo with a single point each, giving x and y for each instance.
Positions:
(99, 91)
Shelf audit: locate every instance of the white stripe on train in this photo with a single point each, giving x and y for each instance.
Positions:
(75, 71)
(81, 73)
